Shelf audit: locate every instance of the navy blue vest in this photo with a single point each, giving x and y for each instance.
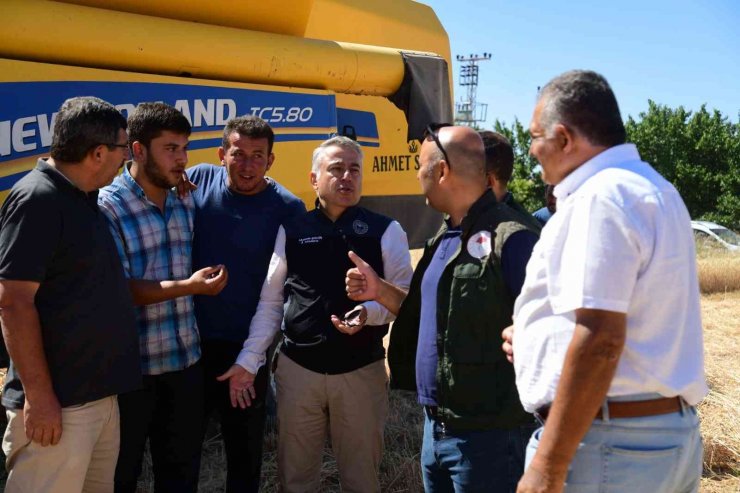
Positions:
(316, 253)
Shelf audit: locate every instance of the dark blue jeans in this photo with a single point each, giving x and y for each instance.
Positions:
(488, 461)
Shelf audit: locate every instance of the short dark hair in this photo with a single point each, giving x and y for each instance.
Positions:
(250, 126)
(499, 155)
(149, 120)
(82, 124)
(583, 101)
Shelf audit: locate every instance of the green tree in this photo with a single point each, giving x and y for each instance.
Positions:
(698, 152)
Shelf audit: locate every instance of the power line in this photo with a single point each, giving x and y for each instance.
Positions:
(468, 111)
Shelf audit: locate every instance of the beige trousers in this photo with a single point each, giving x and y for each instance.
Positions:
(352, 406)
(84, 460)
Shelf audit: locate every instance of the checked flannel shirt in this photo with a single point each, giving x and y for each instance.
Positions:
(156, 246)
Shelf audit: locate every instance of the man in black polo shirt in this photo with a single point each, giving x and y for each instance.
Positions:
(66, 310)
(331, 374)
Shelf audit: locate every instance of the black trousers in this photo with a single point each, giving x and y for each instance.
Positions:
(241, 429)
(169, 411)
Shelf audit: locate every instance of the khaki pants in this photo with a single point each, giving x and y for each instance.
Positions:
(353, 406)
(84, 460)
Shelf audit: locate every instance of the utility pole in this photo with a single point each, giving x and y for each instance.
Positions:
(468, 111)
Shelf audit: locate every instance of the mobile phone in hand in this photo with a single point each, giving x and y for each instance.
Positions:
(352, 318)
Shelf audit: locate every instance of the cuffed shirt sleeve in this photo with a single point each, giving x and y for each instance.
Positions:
(397, 268)
(266, 320)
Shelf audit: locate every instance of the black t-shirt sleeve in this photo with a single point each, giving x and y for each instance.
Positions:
(29, 234)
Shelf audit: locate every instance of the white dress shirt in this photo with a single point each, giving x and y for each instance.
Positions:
(269, 315)
(621, 241)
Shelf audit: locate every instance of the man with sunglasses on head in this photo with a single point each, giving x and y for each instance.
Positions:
(153, 230)
(66, 310)
(331, 373)
(444, 342)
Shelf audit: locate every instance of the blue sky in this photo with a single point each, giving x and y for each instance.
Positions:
(678, 52)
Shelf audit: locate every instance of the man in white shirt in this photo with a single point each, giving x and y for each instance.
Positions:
(607, 341)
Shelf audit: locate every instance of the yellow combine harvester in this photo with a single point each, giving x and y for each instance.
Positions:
(373, 70)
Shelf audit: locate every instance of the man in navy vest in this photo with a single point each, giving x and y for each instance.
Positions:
(331, 373)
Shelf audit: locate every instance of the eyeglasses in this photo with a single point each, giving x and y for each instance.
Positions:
(121, 146)
(431, 131)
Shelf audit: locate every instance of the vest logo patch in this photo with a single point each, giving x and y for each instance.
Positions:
(309, 240)
(360, 227)
(479, 245)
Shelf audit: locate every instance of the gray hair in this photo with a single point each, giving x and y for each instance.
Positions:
(583, 101)
(337, 141)
(82, 124)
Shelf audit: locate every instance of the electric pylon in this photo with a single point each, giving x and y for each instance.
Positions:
(468, 111)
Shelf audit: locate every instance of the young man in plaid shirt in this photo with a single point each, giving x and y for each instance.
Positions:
(153, 230)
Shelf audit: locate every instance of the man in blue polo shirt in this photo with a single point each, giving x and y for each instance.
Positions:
(238, 212)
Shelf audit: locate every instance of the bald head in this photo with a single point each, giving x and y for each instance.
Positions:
(465, 149)
(454, 186)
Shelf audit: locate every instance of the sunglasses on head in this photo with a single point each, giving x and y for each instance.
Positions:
(431, 132)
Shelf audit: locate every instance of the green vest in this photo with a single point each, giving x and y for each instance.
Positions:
(475, 382)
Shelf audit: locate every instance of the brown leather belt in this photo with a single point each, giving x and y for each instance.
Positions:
(631, 409)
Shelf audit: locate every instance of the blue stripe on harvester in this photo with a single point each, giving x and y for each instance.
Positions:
(363, 122)
(7, 182)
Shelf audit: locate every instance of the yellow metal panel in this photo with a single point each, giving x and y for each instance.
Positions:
(402, 24)
(282, 17)
(109, 39)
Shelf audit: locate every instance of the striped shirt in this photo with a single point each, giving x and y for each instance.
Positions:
(156, 246)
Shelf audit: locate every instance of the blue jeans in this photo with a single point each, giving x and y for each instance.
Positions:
(654, 454)
(488, 461)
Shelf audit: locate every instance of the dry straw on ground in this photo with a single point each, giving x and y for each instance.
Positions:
(719, 412)
(719, 271)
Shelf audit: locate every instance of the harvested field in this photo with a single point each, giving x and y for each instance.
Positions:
(719, 271)
(719, 411)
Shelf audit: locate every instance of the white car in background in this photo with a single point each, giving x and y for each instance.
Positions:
(714, 235)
